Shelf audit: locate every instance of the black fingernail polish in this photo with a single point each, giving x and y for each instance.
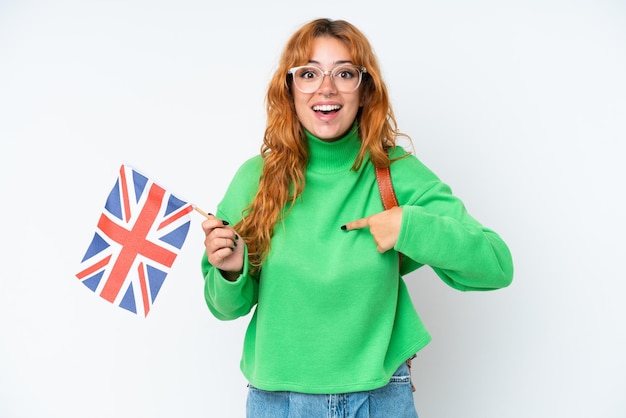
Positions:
(343, 227)
(235, 243)
(225, 223)
(236, 236)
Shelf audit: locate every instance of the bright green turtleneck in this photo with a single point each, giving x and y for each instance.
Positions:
(331, 314)
(336, 156)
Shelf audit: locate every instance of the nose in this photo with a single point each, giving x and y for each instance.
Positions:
(328, 86)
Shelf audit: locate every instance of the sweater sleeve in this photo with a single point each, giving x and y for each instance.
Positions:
(229, 300)
(225, 299)
(438, 231)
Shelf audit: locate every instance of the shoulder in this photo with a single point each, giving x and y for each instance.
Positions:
(248, 174)
(242, 189)
(404, 163)
(252, 167)
(411, 178)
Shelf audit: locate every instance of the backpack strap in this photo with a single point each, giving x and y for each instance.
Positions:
(385, 186)
(387, 193)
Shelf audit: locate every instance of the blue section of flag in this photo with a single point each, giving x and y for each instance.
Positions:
(140, 182)
(178, 236)
(156, 278)
(113, 203)
(97, 244)
(128, 301)
(93, 281)
(173, 204)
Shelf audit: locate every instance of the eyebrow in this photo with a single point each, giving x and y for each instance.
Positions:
(334, 63)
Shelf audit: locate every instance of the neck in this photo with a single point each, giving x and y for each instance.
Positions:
(333, 156)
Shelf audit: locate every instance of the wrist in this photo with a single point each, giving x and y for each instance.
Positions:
(230, 276)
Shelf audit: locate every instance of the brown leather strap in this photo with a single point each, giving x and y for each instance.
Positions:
(385, 186)
(387, 193)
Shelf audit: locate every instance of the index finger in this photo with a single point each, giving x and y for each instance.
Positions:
(210, 224)
(358, 224)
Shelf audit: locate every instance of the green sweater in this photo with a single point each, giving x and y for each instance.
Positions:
(332, 314)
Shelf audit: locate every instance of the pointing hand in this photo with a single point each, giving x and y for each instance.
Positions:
(384, 227)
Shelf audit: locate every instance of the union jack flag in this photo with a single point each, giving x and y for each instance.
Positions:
(138, 236)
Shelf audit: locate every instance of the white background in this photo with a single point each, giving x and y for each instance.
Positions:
(519, 105)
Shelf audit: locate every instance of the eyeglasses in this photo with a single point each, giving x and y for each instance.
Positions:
(309, 78)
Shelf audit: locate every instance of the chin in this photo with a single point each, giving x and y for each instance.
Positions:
(330, 135)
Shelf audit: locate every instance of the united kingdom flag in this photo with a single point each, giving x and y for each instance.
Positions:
(138, 236)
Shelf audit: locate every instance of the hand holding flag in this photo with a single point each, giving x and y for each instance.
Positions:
(223, 247)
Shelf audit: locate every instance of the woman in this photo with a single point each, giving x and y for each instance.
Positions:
(302, 237)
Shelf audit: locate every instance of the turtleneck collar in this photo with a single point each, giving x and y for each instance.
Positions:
(335, 156)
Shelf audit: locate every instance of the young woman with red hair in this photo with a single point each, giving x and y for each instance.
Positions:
(302, 239)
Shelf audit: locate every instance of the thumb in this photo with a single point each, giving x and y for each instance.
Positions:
(358, 224)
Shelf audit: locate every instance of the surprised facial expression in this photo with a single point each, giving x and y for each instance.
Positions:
(327, 113)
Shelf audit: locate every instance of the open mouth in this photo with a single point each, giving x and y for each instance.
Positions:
(326, 109)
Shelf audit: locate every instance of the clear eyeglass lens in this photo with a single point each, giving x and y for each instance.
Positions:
(309, 78)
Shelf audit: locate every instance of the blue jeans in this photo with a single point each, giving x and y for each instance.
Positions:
(393, 400)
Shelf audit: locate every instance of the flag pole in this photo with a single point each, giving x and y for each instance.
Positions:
(203, 213)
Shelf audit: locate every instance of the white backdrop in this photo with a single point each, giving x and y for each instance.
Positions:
(519, 105)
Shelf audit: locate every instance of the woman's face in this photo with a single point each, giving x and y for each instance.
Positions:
(339, 109)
